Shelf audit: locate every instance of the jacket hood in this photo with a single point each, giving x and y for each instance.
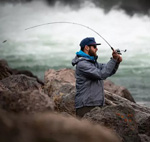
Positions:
(76, 60)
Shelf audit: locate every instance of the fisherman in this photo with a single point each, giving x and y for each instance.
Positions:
(90, 75)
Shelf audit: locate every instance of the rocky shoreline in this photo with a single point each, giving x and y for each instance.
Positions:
(36, 111)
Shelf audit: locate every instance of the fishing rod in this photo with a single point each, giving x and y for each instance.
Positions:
(62, 22)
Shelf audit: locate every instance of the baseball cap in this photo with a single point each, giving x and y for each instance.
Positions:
(88, 41)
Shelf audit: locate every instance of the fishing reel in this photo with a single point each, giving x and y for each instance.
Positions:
(119, 51)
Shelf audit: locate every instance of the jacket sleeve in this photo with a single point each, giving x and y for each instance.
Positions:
(101, 72)
(114, 68)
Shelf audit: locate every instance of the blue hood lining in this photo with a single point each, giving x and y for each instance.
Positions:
(82, 54)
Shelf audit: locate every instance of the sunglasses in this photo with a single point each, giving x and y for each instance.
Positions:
(94, 46)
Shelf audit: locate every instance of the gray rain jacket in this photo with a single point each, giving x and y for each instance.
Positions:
(89, 80)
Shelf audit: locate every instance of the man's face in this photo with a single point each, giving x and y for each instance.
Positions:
(92, 51)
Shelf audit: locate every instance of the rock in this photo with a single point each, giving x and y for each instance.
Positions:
(3, 62)
(25, 102)
(3, 88)
(117, 118)
(65, 103)
(144, 138)
(48, 127)
(115, 99)
(21, 94)
(60, 85)
(63, 75)
(27, 73)
(4, 69)
(118, 90)
(143, 120)
(19, 83)
(129, 120)
(120, 112)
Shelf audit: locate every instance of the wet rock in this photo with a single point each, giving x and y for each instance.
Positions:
(48, 127)
(25, 102)
(118, 90)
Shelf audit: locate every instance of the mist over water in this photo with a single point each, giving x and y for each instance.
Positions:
(54, 46)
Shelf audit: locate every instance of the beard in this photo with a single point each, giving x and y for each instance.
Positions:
(92, 53)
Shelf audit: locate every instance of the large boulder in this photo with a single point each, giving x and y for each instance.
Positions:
(23, 94)
(6, 71)
(60, 85)
(118, 90)
(129, 120)
(63, 75)
(25, 101)
(48, 127)
(120, 118)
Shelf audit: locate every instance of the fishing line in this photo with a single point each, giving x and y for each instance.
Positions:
(61, 22)
(73, 24)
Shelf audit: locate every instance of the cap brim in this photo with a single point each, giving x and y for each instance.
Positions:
(95, 44)
(98, 43)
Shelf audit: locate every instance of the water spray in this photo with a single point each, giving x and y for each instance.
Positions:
(62, 22)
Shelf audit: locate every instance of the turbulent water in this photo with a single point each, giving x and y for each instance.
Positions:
(54, 46)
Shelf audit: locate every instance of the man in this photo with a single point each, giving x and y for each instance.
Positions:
(90, 75)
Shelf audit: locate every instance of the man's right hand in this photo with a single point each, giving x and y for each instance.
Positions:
(116, 56)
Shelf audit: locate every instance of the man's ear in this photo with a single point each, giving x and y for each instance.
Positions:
(86, 48)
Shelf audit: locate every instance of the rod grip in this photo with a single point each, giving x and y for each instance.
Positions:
(112, 48)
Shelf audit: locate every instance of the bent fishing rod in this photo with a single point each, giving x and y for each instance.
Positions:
(62, 22)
